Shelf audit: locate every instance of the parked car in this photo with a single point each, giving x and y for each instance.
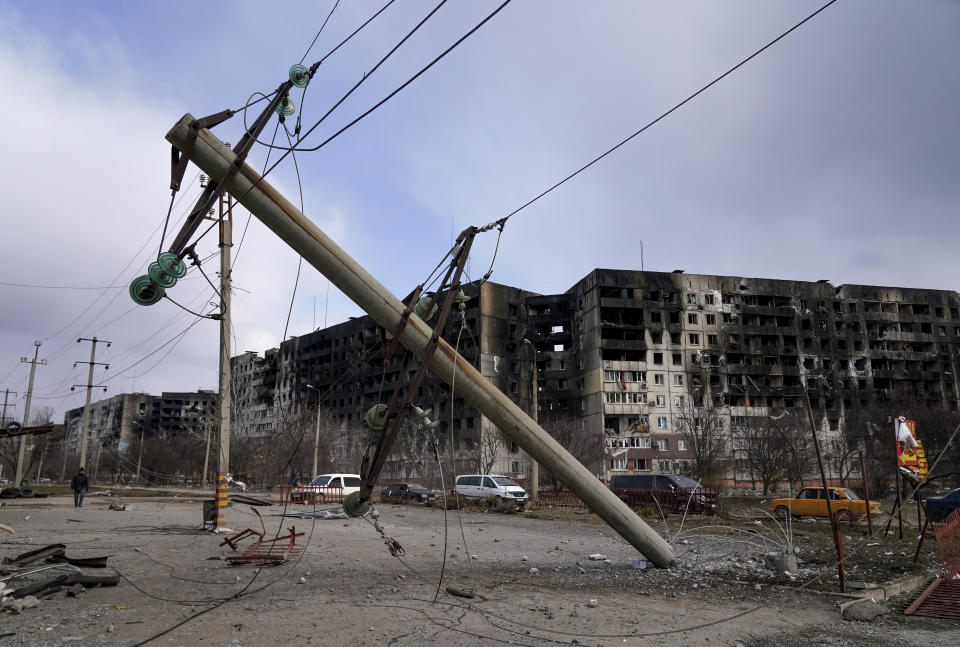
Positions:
(483, 486)
(938, 507)
(810, 502)
(667, 492)
(407, 492)
(326, 488)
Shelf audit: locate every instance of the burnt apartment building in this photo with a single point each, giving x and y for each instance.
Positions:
(652, 349)
(624, 357)
(116, 421)
(340, 369)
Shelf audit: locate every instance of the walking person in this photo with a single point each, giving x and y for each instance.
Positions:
(79, 485)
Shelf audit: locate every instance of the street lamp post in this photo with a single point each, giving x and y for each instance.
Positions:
(140, 452)
(316, 434)
(534, 465)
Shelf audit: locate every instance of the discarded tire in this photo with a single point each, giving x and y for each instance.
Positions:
(26, 493)
(9, 493)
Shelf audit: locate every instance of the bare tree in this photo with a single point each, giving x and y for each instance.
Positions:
(486, 450)
(569, 431)
(701, 426)
(777, 448)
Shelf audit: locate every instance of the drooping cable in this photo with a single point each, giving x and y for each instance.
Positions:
(667, 113)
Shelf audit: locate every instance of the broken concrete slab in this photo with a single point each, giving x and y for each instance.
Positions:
(864, 610)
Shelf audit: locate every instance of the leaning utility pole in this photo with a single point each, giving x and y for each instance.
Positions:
(18, 477)
(285, 220)
(86, 407)
(223, 454)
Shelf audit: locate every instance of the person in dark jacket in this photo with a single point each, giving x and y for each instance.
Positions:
(79, 485)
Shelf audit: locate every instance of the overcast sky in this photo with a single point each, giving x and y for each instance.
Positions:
(833, 155)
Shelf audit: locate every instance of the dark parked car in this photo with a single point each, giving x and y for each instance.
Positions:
(407, 492)
(938, 507)
(668, 492)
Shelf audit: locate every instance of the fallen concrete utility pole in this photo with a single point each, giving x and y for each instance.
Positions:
(214, 158)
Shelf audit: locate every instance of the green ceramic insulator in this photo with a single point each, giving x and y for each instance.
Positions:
(158, 276)
(353, 507)
(299, 76)
(377, 416)
(145, 292)
(171, 265)
(286, 107)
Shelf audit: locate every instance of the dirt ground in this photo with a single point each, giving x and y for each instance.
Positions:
(531, 577)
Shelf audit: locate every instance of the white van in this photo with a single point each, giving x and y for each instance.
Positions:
(326, 488)
(483, 486)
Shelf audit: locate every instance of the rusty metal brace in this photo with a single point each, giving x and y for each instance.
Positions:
(370, 469)
(232, 540)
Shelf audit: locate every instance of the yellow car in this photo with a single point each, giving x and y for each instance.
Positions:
(810, 502)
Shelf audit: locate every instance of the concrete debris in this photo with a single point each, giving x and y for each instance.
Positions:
(302, 580)
(597, 557)
(460, 593)
(592, 603)
(534, 570)
(122, 507)
(524, 558)
(862, 610)
(75, 590)
(101, 493)
(778, 561)
(17, 606)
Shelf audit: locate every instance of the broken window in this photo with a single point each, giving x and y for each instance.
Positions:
(656, 317)
(694, 339)
(656, 337)
(712, 339)
(675, 338)
(677, 359)
(618, 464)
(691, 298)
(641, 464)
(681, 445)
(658, 358)
(675, 317)
(708, 299)
(711, 319)
(661, 401)
(661, 422)
(678, 379)
(692, 318)
(658, 379)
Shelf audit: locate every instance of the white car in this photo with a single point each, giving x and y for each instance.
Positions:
(326, 488)
(484, 486)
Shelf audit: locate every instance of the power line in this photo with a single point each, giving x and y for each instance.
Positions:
(320, 31)
(413, 78)
(61, 287)
(668, 112)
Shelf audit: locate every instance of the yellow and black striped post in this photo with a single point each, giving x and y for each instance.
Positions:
(220, 513)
